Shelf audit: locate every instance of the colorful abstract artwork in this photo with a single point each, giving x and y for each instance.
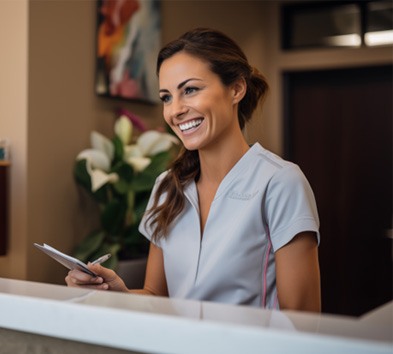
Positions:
(128, 41)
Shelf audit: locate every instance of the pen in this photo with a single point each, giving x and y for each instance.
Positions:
(102, 259)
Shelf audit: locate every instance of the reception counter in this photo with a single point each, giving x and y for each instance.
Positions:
(36, 313)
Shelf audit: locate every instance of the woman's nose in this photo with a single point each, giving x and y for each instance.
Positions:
(178, 108)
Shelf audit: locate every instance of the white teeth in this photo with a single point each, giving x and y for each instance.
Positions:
(189, 125)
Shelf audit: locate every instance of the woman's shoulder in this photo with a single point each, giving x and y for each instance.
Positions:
(280, 173)
(284, 176)
(269, 160)
(161, 176)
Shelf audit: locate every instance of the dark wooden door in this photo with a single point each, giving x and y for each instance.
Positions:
(338, 128)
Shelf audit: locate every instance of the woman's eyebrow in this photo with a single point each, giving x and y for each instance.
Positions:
(181, 84)
(185, 82)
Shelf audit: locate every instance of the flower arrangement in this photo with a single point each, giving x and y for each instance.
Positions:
(119, 175)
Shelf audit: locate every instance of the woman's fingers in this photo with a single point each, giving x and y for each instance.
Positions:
(109, 277)
(102, 272)
(106, 279)
(78, 278)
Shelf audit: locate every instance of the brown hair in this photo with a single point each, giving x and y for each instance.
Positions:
(228, 61)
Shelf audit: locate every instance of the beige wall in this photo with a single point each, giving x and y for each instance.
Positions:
(48, 107)
(13, 125)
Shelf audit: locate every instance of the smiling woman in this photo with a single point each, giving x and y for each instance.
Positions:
(227, 222)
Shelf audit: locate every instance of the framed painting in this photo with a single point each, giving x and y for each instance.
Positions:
(128, 39)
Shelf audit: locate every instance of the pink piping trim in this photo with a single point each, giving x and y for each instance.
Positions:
(265, 271)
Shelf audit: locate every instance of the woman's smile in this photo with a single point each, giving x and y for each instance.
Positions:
(190, 126)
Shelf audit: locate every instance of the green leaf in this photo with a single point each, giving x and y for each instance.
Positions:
(102, 194)
(119, 149)
(81, 175)
(159, 163)
(141, 200)
(144, 181)
(112, 217)
(135, 244)
(120, 186)
(126, 174)
(124, 170)
(90, 244)
(133, 236)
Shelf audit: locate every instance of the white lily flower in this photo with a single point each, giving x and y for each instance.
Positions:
(153, 142)
(97, 166)
(103, 144)
(133, 155)
(123, 129)
(100, 178)
(132, 151)
(96, 159)
(139, 163)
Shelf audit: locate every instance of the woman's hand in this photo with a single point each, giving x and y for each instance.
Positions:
(106, 279)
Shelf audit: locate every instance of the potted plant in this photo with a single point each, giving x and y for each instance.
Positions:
(119, 174)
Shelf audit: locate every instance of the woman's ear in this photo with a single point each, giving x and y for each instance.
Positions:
(239, 89)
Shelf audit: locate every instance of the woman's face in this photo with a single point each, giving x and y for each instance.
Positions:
(197, 106)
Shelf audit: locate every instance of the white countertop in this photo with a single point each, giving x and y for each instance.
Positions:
(161, 325)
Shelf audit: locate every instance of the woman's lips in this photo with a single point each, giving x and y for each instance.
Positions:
(190, 124)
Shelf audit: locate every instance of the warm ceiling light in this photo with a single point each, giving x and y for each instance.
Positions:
(378, 38)
(346, 40)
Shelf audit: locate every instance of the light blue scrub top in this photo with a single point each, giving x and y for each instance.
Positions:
(261, 204)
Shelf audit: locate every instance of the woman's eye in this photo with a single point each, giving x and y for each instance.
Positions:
(165, 98)
(189, 90)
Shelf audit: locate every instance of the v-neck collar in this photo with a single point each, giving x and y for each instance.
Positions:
(191, 192)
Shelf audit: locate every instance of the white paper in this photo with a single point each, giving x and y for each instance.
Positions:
(64, 259)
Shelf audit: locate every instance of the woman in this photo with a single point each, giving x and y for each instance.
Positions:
(228, 222)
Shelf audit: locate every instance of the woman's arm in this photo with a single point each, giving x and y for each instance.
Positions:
(107, 279)
(155, 281)
(297, 273)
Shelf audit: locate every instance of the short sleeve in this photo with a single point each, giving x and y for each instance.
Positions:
(290, 206)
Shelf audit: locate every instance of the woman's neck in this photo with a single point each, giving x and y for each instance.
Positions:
(216, 162)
